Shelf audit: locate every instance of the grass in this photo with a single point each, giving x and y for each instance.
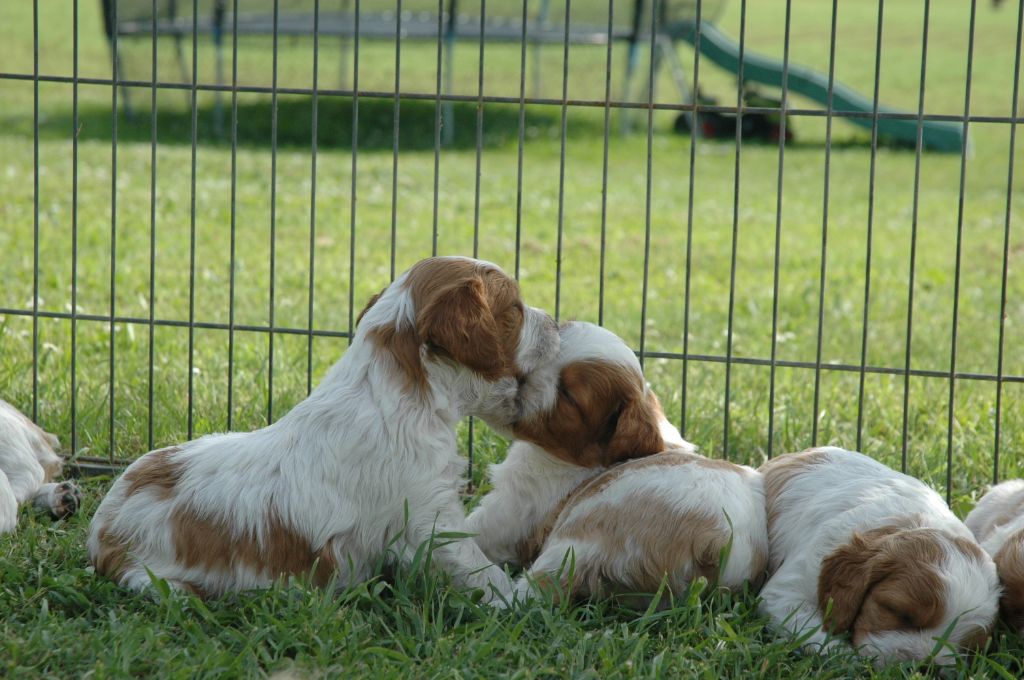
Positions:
(416, 627)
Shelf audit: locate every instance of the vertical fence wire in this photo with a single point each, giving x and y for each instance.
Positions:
(959, 249)
(355, 167)
(476, 191)
(232, 265)
(913, 237)
(694, 134)
(561, 163)
(604, 162)
(1006, 246)
(113, 235)
(35, 210)
(735, 234)
(824, 221)
(273, 215)
(784, 104)
(870, 228)
(522, 138)
(74, 229)
(655, 6)
(312, 190)
(152, 227)
(192, 222)
(394, 137)
(437, 124)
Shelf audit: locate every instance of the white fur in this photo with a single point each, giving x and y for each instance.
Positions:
(1006, 498)
(24, 450)
(821, 508)
(360, 464)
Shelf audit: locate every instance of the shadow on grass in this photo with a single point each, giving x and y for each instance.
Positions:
(334, 123)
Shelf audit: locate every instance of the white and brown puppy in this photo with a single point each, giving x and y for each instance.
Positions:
(28, 465)
(367, 463)
(859, 549)
(629, 525)
(998, 524)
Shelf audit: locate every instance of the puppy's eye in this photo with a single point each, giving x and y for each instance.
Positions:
(520, 380)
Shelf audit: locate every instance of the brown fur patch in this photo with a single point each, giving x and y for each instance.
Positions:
(602, 416)
(404, 347)
(665, 539)
(466, 311)
(883, 580)
(780, 471)
(1009, 561)
(157, 472)
(111, 559)
(664, 542)
(210, 545)
(52, 469)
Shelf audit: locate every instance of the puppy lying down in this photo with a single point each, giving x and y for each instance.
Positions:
(629, 523)
(998, 524)
(858, 549)
(28, 465)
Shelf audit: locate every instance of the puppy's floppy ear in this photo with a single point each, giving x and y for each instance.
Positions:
(372, 301)
(458, 320)
(845, 578)
(633, 430)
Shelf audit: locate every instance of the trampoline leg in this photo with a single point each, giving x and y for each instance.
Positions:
(686, 95)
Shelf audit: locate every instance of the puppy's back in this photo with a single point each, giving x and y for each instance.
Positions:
(674, 514)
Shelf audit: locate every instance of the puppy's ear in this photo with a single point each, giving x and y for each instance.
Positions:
(372, 301)
(846, 575)
(458, 321)
(633, 430)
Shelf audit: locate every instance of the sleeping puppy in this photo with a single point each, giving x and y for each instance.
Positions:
(628, 525)
(28, 465)
(364, 467)
(998, 524)
(858, 549)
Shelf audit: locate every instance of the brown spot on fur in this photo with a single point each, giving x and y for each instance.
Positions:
(157, 472)
(466, 311)
(111, 558)
(404, 348)
(210, 545)
(52, 469)
(1009, 561)
(780, 471)
(883, 580)
(602, 416)
(664, 542)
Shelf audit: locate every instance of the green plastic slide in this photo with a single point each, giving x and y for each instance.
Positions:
(724, 52)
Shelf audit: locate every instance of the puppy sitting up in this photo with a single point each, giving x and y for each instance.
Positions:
(366, 468)
(998, 524)
(28, 465)
(630, 525)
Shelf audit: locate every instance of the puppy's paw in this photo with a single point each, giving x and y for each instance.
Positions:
(61, 499)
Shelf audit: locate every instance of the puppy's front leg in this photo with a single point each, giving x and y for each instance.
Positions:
(789, 608)
(461, 558)
(59, 499)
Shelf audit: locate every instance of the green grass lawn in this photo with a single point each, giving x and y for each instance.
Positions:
(416, 628)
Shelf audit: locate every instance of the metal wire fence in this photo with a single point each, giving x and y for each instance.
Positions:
(429, 31)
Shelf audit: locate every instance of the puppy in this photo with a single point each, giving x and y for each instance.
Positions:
(28, 465)
(858, 549)
(628, 525)
(365, 466)
(998, 524)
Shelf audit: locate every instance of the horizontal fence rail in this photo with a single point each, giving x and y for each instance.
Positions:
(439, 27)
